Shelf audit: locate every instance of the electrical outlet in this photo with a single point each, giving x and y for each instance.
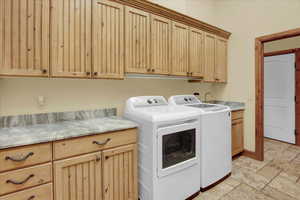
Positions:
(41, 101)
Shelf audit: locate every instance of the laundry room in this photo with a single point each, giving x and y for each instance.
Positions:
(149, 99)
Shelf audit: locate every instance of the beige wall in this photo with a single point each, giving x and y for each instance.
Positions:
(19, 95)
(247, 20)
(284, 44)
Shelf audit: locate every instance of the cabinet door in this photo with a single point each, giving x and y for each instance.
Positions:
(196, 52)
(237, 136)
(180, 49)
(24, 37)
(108, 39)
(71, 38)
(160, 45)
(137, 33)
(210, 57)
(120, 173)
(78, 178)
(221, 60)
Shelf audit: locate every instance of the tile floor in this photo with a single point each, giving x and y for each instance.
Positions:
(276, 178)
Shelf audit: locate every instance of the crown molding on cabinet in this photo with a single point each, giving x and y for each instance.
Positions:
(171, 14)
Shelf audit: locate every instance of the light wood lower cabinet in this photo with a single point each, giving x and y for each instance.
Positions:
(105, 170)
(79, 178)
(120, 173)
(237, 132)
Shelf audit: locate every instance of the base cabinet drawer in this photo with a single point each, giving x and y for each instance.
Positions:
(43, 192)
(89, 144)
(24, 178)
(25, 156)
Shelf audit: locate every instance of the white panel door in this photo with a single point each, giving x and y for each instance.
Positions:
(279, 108)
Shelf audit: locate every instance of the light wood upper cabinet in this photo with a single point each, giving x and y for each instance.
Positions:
(160, 45)
(120, 173)
(79, 178)
(210, 57)
(71, 38)
(180, 49)
(196, 53)
(221, 60)
(24, 37)
(108, 39)
(137, 38)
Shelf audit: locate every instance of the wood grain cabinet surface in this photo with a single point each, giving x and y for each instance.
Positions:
(196, 53)
(98, 167)
(24, 38)
(237, 132)
(120, 173)
(221, 60)
(71, 38)
(25, 156)
(137, 40)
(108, 39)
(180, 49)
(160, 45)
(210, 57)
(79, 178)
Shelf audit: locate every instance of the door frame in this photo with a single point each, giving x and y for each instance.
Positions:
(259, 88)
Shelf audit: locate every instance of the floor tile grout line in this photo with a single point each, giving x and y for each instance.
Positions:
(227, 193)
(267, 184)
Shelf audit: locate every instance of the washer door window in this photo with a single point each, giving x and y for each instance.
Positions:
(177, 148)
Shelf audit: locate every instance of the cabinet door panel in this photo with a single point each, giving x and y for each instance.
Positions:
(78, 178)
(120, 173)
(108, 39)
(180, 49)
(24, 37)
(160, 45)
(196, 52)
(137, 31)
(237, 136)
(221, 60)
(71, 38)
(210, 57)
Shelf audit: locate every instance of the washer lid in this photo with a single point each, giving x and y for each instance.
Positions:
(164, 113)
(209, 107)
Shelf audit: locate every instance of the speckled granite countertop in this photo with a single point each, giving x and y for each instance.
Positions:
(234, 106)
(47, 132)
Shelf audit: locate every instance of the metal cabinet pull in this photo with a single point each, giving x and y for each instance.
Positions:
(20, 182)
(32, 197)
(102, 143)
(19, 159)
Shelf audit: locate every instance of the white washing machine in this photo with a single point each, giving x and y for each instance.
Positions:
(215, 142)
(169, 142)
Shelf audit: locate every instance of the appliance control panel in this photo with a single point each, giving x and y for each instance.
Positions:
(186, 100)
(146, 101)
